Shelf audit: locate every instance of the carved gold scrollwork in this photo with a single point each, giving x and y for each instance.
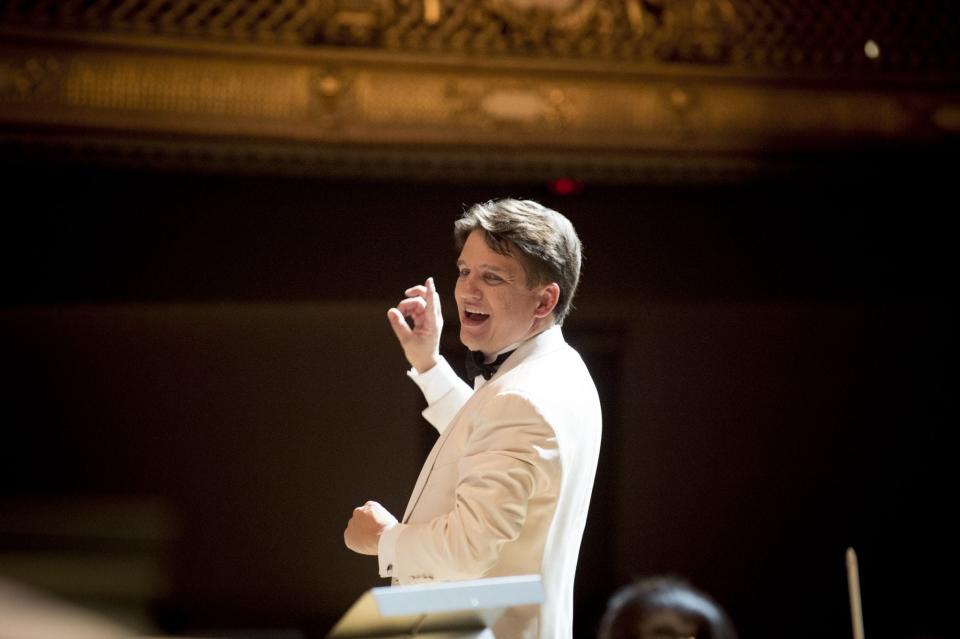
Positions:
(681, 30)
(30, 79)
(355, 22)
(697, 30)
(431, 11)
(562, 15)
(635, 15)
(751, 34)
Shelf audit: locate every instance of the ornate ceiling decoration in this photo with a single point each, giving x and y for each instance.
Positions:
(628, 89)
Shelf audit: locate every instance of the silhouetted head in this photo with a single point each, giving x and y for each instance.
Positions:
(664, 608)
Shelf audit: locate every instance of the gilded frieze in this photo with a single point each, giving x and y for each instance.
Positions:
(826, 36)
(593, 84)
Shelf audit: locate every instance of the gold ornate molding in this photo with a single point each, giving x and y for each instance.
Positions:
(782, 35)
(596, 80)
(621, 29)
(338, 99)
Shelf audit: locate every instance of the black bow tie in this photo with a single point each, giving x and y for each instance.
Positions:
(476, 366)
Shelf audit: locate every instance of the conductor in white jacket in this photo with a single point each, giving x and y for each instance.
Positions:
(506, 488)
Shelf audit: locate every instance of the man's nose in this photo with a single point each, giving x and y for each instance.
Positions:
(468, 286)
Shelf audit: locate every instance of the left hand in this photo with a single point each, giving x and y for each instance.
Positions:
(365, 527)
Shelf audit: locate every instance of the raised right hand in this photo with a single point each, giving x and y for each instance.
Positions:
(421, 344)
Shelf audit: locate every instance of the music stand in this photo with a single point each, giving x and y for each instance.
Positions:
(453, 609)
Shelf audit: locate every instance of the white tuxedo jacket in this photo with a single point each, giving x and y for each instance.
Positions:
(505, 489)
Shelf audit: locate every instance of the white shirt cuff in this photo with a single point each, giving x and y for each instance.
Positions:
(436, 382)
(387, 548)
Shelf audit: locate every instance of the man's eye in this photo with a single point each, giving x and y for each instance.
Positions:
(492, 278)
(462, 272)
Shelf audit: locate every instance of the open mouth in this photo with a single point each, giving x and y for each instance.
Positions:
(475, 318)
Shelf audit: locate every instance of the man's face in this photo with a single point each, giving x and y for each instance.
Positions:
(496, 307)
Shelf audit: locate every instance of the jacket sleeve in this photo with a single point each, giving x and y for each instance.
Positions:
(511, 455)
(444, 391)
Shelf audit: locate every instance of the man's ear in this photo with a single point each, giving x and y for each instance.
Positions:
(549, 297)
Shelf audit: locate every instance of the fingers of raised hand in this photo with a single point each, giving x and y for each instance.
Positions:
(416, 291)
(398, 324)
(433, 299)
(427, 290)
(412, 306)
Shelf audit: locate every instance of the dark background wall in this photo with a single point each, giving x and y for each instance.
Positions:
(776, 361)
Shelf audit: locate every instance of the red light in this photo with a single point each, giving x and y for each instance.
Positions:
(566, 186)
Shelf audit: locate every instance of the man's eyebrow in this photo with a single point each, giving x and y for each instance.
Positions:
(489, 267)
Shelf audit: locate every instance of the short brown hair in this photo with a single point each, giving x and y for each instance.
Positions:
(549, 246)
